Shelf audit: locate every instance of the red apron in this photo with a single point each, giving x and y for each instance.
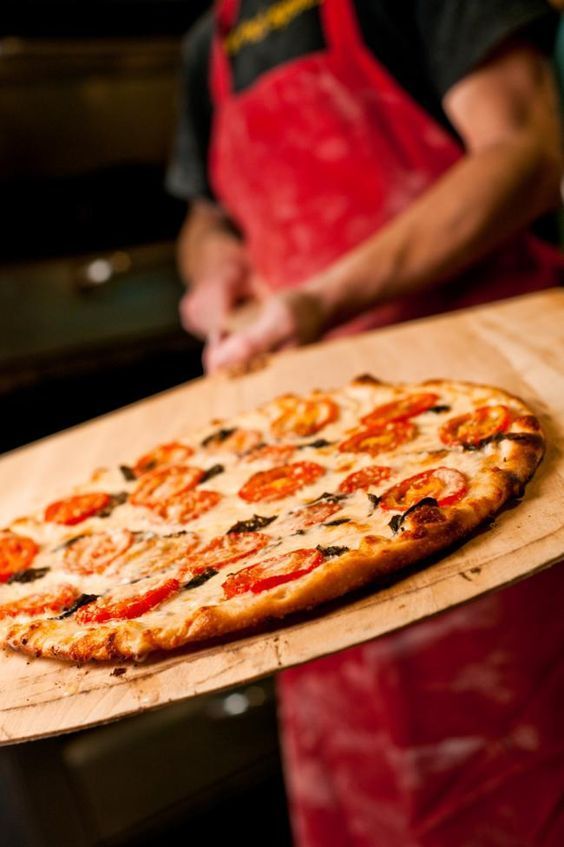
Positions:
(446, 733)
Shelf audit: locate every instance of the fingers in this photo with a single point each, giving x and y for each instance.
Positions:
(204, 310)
(273, 326)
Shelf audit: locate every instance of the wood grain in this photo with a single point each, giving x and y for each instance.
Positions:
(517, 345)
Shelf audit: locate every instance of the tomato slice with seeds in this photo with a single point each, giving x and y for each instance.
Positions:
(400, 410)
(156, 488)
(54, 601)
(446, 485)
(273, 572)
(94, 553)
(380, 439)
(17, 552)
(189, 505)
(78, 508)
(301, 416)
(470, 429)
(280, 482)
(104, 609)
(364, 478)
(275, 454)
(173, 453)
(311, 515)
(226, 549)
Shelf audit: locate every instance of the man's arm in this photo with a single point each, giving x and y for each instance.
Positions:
(213, 263)
(506, 113)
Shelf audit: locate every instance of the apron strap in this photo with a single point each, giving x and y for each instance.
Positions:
(340, 26)
(225, 13)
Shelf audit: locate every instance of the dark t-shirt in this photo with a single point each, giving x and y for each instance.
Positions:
(427, 45)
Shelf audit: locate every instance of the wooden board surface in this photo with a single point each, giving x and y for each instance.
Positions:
(517, 345)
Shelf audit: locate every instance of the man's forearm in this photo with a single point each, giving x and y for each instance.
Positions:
(474, 207)
(205, 235)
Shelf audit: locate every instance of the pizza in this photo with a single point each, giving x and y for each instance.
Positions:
(274, 511)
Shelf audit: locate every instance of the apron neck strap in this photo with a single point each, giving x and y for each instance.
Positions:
(340, 26)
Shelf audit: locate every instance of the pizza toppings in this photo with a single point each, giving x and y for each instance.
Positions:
(200, 578)
(105, 609)
(94, 553)
(17, 553)
(280, 482)
(40, 604)
(252, 524)
(157, 488)
(400, 410)
(238, 441)
(380, 438)
(365, 478)
(273, 572)
(226, 549)
(78, 508)
(172, 453)
(274, 454)
(333, 551)
(471, 429)
(188, 506)
(445, 485)
(315, 513)
(215, 470)
(300, 416)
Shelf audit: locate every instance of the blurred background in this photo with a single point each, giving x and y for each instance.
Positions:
(88, 320)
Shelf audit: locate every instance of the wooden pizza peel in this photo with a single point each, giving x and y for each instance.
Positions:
(517, 345)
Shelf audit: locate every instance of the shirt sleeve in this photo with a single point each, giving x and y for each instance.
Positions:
(458, 35)
(187, 173)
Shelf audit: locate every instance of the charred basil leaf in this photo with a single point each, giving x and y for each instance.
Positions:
(332, 552)
(115, 500)
(252, 524)
(218, 437)
(317, 444)
(200, 578)
(30, 575)
(438, 409)
(337, 522)
(127, 473)
(83, 600)
(329, 498)
(374, 499)
(398, 520)
(211, 472)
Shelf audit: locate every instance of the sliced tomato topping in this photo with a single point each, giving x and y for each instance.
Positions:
(39, 604)
(379, 439)
(17, 552)
(95, 553)
(474, 427)
(304, 417)
(280, 482)
(445, 485)
(237, 441)
(316, 513)
(156, 488)
(400, 410)
(104, 609)
(365, 478)
(189, 505)
(273, 572)
(275, 454)
(173, 453)
(73, 510)
(226, 549)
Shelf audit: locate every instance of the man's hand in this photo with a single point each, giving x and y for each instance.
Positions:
(214, 263)
(279, 321)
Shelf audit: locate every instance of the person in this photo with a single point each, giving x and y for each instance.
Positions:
(351, 163)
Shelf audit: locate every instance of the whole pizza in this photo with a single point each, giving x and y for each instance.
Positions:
(276, 510)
